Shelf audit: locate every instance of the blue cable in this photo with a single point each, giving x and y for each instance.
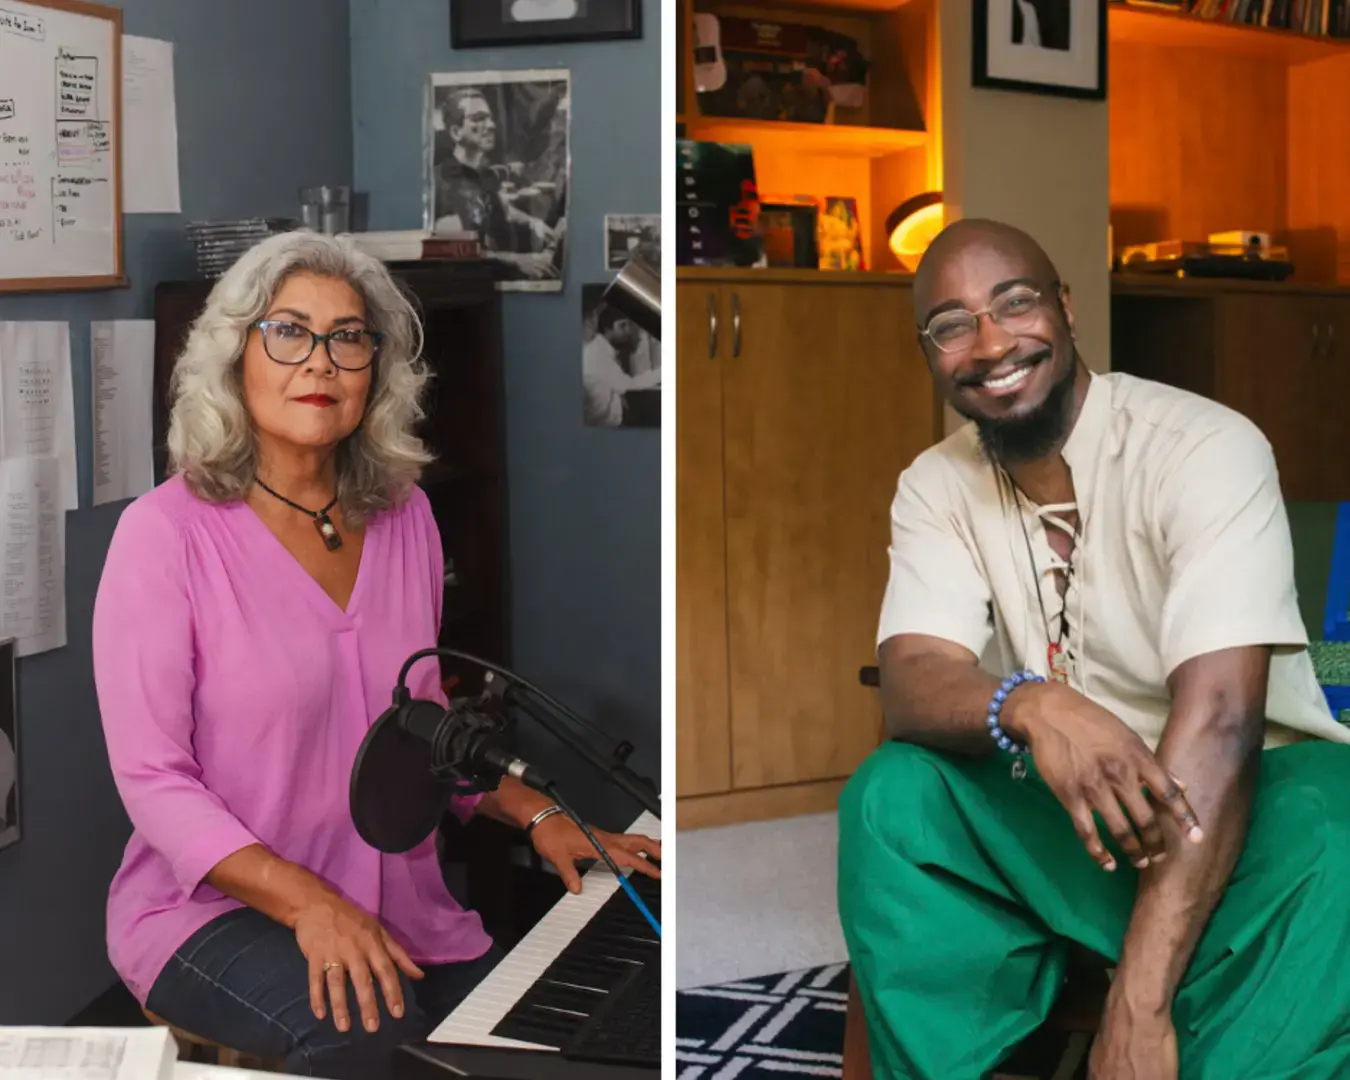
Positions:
(632, 892)
(552, 791)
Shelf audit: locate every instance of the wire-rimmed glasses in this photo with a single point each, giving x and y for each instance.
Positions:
(957, 331)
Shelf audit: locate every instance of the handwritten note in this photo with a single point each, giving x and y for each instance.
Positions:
(28, 26)
(149, 127)
(59, 202)
(124, 368)
(37, 407)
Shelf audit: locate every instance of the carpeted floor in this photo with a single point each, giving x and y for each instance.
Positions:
(792, 1024)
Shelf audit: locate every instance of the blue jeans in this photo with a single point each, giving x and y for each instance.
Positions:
(243, 982)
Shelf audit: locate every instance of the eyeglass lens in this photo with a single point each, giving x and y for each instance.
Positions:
(1014, 310)
(287, 343)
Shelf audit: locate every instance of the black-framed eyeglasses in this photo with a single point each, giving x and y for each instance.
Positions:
(957, 331)
(290, 343)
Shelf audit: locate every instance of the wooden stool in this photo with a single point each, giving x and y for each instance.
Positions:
(189, 1044)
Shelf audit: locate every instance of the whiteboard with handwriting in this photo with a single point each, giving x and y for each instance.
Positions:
(60, 176)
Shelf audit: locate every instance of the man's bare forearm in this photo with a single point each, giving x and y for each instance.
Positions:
(1214, 736)
(935, 698)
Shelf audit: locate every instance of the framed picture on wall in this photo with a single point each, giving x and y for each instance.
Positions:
(1040, 46)
(498, 165)
(485, 23)
(620, 367)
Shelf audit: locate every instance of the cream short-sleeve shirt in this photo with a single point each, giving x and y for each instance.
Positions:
(1184, 549)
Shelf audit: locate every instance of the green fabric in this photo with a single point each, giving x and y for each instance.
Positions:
(1312, 526)
(960, 887)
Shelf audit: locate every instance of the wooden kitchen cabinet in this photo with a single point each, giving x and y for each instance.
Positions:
(1277, 353)
(802, 395)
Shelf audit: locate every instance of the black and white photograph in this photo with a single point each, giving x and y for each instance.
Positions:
(498, 166)
(487, 23)
(620, 366)
(9, 748)
(625, 233)
(1053, 47)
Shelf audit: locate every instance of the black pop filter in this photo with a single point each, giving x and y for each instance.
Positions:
(396, 802)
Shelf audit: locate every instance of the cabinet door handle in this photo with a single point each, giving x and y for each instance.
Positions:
(1331, 341)
(735, 324)
(712, 326)
(1316, 340)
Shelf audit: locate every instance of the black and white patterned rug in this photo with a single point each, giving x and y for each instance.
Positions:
(792, 1024)
(763, 1028)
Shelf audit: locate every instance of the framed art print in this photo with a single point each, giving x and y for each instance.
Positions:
(485, 23)
(1040, 46)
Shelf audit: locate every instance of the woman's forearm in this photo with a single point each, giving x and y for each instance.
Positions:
(266, 882)
(513, 803)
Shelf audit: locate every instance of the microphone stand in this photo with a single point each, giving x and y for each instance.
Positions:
(554, 717)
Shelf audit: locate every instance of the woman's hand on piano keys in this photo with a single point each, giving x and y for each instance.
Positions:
(560, 842)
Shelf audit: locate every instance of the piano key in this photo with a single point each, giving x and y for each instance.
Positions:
(488, 1005)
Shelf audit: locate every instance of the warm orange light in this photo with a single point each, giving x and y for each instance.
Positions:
(913, 230)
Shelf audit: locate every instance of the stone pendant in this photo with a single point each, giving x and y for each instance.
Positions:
(331, 538)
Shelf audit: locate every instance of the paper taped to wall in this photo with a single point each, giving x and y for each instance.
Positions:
(32, 555)
(149, 128)
(38, 414)
(123, 362)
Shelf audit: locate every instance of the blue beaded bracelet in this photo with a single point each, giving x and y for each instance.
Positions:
(996, 732)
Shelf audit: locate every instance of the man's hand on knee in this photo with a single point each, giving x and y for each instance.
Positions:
(1093, 762)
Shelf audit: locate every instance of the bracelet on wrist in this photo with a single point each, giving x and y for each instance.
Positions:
(543, 814)
(993, 720)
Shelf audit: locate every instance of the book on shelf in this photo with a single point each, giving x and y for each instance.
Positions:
(716, 205)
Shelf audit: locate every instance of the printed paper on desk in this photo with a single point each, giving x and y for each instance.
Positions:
(66, 1053)
(38, 418)
(149, 128)
(32, 555)
(123, 362)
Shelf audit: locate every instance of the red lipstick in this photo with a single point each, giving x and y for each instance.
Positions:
(322, 400)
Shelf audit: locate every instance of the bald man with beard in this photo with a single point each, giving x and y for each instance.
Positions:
(1104, 726)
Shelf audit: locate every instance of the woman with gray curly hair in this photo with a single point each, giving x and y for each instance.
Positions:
(251, 620)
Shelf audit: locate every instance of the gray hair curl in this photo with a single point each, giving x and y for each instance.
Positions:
(211, 441)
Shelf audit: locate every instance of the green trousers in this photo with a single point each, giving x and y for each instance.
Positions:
(960, 890)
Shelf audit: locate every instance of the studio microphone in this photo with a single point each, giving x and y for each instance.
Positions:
(419, 753)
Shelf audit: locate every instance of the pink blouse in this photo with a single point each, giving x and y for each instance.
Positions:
(234, 694)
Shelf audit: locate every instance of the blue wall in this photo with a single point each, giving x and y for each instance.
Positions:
(264, 107)
(585, 503)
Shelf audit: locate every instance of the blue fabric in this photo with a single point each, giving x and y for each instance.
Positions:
(242, 981)
(1336, 625)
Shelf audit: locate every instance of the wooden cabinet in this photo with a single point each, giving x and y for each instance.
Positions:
(801, 396)
(1279, 354)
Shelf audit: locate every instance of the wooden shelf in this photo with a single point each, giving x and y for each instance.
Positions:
(839, 140)
(750, 275)
(1144, 25)
(1127, 284)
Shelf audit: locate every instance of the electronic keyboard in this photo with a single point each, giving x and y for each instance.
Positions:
(584, 951)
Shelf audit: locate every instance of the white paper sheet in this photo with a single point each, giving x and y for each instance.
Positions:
(71, 1053)
(32, 555)
(149, 128)
(123, 362)
(38, 413)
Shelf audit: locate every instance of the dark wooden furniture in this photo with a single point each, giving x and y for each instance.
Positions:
(1277, 352)
(465, 427)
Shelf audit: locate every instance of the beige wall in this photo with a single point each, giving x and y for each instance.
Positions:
(1038, 162)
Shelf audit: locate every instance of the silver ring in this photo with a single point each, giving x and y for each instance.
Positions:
(330, 965)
